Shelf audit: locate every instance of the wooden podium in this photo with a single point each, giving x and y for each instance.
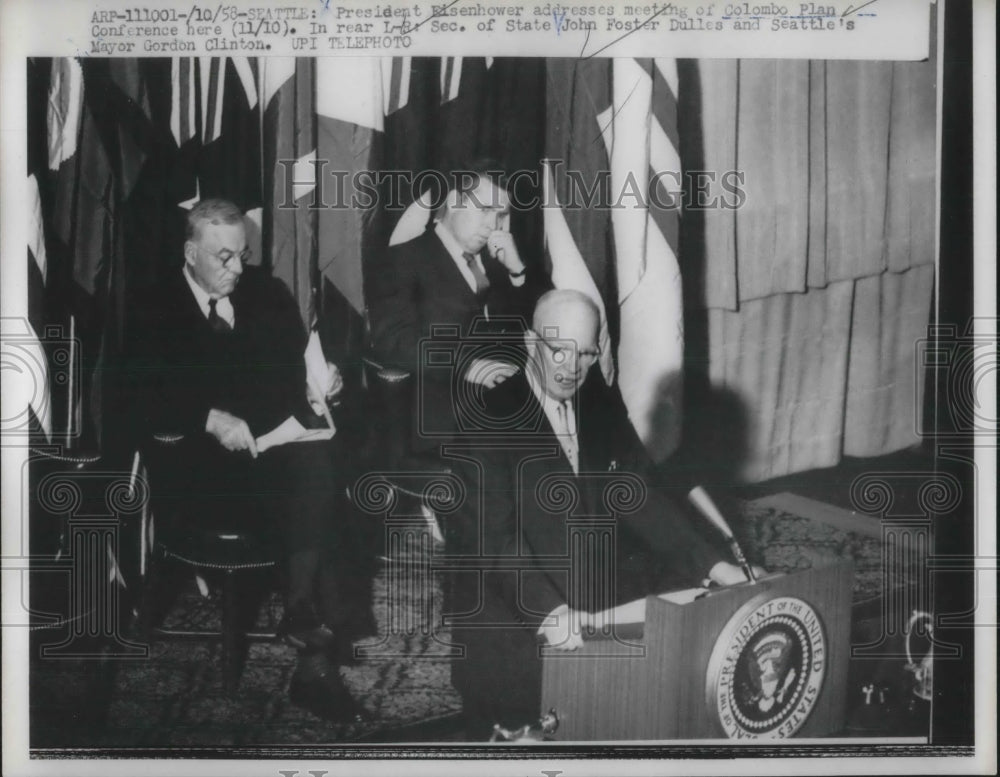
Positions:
(767, 660)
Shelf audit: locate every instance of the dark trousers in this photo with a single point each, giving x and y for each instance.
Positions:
(292, 496)
(650, 551)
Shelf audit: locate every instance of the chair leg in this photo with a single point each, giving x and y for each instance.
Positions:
(146, 615)
(230, 633)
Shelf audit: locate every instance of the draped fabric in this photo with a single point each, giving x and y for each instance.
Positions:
(803, 299)
(786, 358)
(578, 232)
(611, 214)
(289, 229)
(832, 253)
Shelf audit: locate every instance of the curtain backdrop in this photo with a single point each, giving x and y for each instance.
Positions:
(809, 300)
(801, 306)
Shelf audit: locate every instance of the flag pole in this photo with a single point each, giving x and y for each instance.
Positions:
(72, 372)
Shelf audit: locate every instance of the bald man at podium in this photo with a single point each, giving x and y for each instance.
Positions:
(566, 519)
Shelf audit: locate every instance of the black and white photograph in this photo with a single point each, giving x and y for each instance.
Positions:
(485, 404)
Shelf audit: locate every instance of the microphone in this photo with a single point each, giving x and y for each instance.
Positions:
(704, 504)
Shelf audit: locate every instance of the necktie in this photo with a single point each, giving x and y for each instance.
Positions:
(482, 282)
(217, 322)
(567, 436)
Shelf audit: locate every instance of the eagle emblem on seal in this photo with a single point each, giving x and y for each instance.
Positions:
(771, 672)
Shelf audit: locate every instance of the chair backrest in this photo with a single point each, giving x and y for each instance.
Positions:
(414, 220)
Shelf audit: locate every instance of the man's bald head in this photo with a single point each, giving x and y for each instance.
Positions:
(558, 307)
(564, 342)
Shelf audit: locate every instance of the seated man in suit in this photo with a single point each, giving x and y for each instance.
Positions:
(216, 355)
(466, 268)
(567, 456)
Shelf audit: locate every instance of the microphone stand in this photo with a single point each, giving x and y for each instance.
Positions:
(704, 504)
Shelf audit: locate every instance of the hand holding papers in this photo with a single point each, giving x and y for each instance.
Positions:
(323, 381)
(292, 431)
(232, 433)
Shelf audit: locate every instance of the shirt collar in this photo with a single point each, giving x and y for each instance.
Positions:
(549, 404)
(224, 307)
(450, 243)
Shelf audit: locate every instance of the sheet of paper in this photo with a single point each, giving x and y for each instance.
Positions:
(291, 431)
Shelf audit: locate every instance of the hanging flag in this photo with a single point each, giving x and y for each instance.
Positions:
(350, 110)
(183, 114)
(215, 122)
(122, 101)
(577, 92)
(83, 181)
(211, 71)
(569, 270)
(229, 159)
(451, 78)
(640, 133)
(395, 83)
(185, 109)
(65, 109)
(40, 396)
(351, 106)
(287, 99)
(467, 124)
(82, 248)
(413, 101)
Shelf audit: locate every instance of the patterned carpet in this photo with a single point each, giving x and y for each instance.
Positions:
(782, 542)
(174, 699)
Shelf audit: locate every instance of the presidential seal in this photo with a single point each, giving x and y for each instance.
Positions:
(766, 669)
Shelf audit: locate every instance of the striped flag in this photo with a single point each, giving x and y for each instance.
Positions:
(183, 114)
(451, 78)
(640, 131)
(216, 125)
(395, 83)
(212, 73)
(612, 126)
(466, 122)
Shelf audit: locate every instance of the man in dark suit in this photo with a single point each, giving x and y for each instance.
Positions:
(216, 355)
(465, 269)
(559, 466)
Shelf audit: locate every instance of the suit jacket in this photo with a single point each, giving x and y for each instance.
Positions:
(420, 286)
(179, 368)
(416, 287)
(532, 508)
(291, 495)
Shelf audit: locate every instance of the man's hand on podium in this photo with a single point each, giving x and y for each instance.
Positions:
(562, 629)
(725, 573)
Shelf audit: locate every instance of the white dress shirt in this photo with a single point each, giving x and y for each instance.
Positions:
(562, 416)
(223, 306)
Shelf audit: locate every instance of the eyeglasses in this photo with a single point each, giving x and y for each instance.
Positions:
(225, 256)
(561, 353)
